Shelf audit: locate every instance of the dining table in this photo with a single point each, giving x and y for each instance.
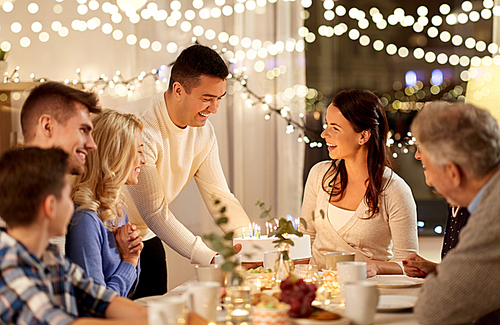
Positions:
(399, 287)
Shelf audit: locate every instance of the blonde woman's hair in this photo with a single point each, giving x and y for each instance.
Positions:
(109, 166)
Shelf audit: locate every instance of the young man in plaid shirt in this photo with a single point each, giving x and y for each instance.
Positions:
(37, 284)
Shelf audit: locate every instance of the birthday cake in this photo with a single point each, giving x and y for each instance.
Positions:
(254, 247)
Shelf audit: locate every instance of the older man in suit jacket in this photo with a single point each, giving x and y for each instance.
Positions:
(460, 152)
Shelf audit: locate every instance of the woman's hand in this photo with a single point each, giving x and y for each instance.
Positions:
(417, 266)
(371, 269)
(129, 243)
(378, 267)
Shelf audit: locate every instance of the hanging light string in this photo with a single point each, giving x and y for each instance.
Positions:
(331, 11)
(285, 113)
(127, 87)
(406, 20)
(308, 135)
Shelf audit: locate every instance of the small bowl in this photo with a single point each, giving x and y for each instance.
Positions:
(270, 316)
(260, 280)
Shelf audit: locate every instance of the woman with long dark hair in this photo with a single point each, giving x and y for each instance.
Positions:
(355, 202)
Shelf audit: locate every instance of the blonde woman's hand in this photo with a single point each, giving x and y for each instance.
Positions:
(129, 243)
(134, 240)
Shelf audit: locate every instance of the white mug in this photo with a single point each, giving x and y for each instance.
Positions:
(167, 310)
(361, 299)
(348, 272)
(203, 298)
(212, 272)
(219, 260)
(269, 259)
(332, 258)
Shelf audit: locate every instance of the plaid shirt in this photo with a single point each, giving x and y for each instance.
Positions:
(49, 291)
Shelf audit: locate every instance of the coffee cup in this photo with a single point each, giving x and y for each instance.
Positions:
(361, 299)
(167, 311)
(332, 258)
(203, 298)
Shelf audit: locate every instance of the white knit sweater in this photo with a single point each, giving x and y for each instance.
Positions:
(391, 233)
(173, 157)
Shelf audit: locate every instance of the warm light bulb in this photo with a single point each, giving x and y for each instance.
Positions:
(130, 4)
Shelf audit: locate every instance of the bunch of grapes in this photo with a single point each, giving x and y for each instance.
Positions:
(299, 295)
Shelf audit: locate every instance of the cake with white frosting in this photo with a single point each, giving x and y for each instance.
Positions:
(254, 247)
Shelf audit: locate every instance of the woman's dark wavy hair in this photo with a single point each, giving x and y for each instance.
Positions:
(364, 111)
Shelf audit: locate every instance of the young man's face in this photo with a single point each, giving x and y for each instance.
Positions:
(64, 208)
(201, 102)
(75, 138)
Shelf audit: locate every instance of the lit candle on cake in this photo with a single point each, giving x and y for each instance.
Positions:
(243, 233)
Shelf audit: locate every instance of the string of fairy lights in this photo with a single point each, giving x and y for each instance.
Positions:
(257, 48)
(181, 15)
(123, 87)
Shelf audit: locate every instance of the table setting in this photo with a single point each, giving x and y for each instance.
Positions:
(341, 294)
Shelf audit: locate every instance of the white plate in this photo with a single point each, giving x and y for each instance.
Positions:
(307, 321)
(395, 281)
(395, 303)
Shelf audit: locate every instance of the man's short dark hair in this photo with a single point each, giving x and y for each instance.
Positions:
(27, 177)
(195, 61)
(56, 100)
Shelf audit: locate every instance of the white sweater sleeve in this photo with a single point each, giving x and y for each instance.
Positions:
(309, 201)
(212, 184)
(150, 201)
(402, 213)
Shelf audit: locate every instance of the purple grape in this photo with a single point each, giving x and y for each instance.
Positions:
(299, 295)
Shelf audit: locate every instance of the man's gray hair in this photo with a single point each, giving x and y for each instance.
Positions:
(461, 133)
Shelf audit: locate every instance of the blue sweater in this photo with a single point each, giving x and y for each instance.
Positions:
(93, 247)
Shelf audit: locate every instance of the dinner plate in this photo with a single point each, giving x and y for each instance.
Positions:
(395, 302)
(395, 281)
(307, 321)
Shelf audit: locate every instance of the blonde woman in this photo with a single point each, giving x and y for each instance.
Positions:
(100, 238)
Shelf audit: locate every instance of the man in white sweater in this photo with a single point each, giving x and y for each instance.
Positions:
(180, 144)
(460, 152)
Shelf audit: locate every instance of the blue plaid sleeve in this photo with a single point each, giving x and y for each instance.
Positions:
(23, 299)
(92, 298)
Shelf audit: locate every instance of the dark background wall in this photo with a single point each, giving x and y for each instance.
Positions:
(337, 63)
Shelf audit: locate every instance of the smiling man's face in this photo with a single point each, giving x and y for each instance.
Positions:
(75, 138)
(202, 101)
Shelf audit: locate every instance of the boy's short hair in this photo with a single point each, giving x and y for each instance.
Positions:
(57, 100)
(194, 62)
(27, 177)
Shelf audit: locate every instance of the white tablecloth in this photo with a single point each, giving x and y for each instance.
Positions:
(400, 317)
(393, 318)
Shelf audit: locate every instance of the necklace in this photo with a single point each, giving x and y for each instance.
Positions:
(454, 211)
